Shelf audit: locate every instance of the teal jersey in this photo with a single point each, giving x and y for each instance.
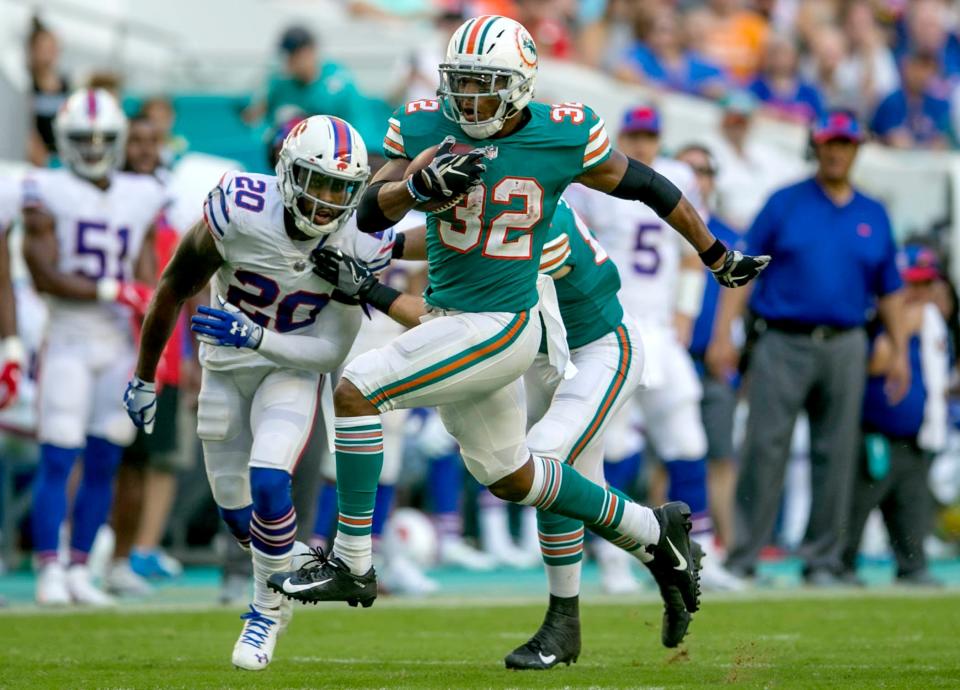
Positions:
(484, 253)
(588, 292)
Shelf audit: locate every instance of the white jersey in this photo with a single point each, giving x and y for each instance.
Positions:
(10, 200)
(99, 235)
(643, 246)
(266, 274)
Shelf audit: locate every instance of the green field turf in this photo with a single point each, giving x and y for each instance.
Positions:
(876, 641)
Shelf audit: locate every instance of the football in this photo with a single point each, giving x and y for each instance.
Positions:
(422, 161)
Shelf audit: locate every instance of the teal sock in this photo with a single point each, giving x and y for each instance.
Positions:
(359, 450)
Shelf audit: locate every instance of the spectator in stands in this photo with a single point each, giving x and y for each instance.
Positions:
(926, 28)
(778, 86)
(748, 169)
(811, 350)
(735, 38)
(899, 440)
(416, 74)
(50, 89)
(307, 84)
(914, 116)
(606, 32)
(869, 71)
(659, 58)
(546, 20)
(719, 395)
(823, 67)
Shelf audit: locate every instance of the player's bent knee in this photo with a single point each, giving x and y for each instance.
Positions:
(348, 401)
(514, 487)
(270, 489)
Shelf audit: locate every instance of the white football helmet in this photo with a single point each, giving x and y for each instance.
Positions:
(91, 133)
(324, 161)
(487, 56)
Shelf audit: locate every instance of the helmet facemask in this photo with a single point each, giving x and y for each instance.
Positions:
(463, 87)
(94, 153)
(317, 191)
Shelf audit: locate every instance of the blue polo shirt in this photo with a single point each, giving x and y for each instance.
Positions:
(693, 75)
(803, 101)
(703, 326)
(829, 262)
(926, 120)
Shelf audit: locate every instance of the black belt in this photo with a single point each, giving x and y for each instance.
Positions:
(814, 330)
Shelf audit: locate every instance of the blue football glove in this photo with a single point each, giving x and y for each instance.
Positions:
(227, 326)
(140, 399)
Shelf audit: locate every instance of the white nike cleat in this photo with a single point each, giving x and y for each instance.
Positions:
(254, 649)
(83, 591)
(122, 581)
(52, 586)
(615, 574)
(403, 576)
(455, 551)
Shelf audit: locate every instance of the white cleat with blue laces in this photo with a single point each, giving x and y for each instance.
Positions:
(254, 649)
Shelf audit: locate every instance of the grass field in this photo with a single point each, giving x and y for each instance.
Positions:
(876, 641)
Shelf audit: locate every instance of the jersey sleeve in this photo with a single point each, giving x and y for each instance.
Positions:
(393, 140)
(374, 250)
(218, 212)
(556, 250)
(597, 147)
(33, 192)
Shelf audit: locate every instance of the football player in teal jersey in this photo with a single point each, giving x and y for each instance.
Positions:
(485, 301)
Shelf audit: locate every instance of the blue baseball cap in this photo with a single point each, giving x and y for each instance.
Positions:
(918, 264)
(641, 118)
(838, 124)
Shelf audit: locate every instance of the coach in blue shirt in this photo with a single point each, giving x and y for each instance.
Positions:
(834, 261)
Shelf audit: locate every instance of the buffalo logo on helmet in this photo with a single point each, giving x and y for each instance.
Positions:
(527, 48)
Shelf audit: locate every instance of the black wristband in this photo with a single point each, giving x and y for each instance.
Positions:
(370, 217)
(713, 253)
(399, 240)
(642, 183)
(381, 296)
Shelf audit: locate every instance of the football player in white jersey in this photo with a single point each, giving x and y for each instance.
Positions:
(662, 288)
(273, 332)
(12, 352)
(87, 242)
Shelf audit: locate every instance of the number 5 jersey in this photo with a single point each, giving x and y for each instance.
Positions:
(267, 274)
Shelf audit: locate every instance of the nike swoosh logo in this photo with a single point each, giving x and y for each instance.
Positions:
(681, 561)
(547, 659)
(288, 586)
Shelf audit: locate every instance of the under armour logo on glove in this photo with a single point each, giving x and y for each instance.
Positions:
(739, 269)
(227, 326)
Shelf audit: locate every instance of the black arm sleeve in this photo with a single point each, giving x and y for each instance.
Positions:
(642, 183)
(370, 217)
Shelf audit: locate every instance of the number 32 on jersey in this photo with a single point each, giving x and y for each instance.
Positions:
(508, 233)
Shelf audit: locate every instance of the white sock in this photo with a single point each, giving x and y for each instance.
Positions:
(564, 580)
(639, 523)
(265, 565)
(355, 551)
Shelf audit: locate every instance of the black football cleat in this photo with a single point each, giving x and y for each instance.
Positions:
(676, 618)
(673, 560)
(556, 642)
(326, 579)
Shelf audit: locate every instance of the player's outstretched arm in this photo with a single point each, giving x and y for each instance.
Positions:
(188, 272)
(356, 281)
(386, 200)
(338, 325)
(626, 178)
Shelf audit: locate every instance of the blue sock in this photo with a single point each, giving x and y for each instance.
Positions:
(95, 495)
(326, 512)
(273, 527)
(381, 508)
(237, 521)
(623, 475)
(49, 507)
(446, 483)
(688, 483)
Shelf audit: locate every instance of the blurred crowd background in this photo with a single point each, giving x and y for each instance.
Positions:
(213, 86)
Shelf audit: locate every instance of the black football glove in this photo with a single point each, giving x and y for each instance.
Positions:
(739, 269)
(345, 273)
(449, 174)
